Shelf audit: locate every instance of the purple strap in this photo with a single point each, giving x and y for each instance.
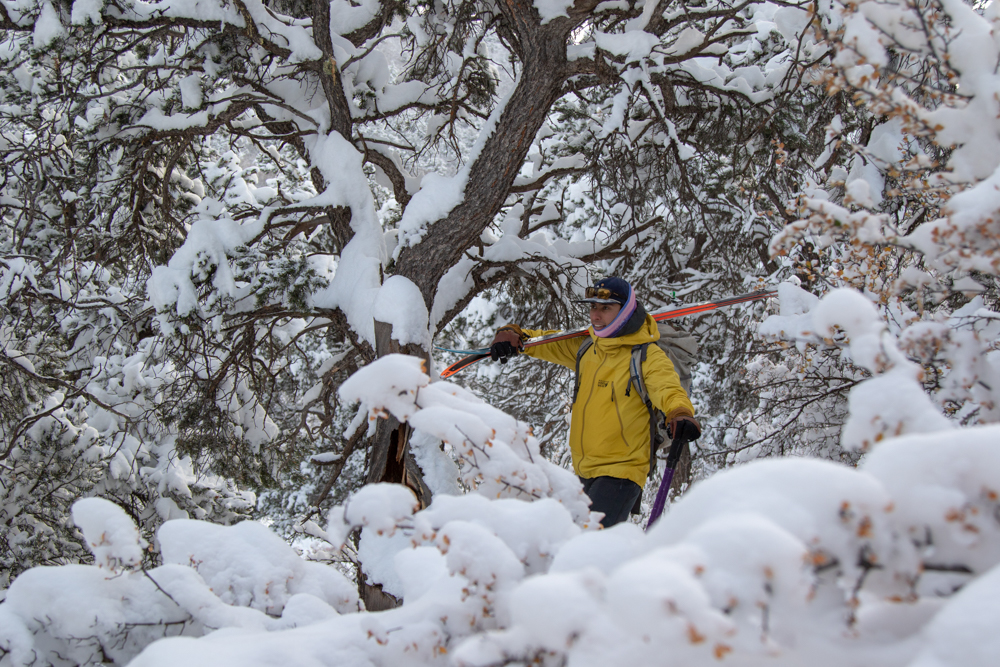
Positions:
(676, 447)
(661, 497)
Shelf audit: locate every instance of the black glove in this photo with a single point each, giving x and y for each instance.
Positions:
(684, 428)
(508, 341)
(502, 351)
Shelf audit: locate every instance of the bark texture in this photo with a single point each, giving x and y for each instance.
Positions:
(544, 71)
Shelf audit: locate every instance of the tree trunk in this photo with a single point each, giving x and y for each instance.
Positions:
(493, 172)
(390, 460)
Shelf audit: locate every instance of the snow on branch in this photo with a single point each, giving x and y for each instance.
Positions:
(890, 404)
(498, 456)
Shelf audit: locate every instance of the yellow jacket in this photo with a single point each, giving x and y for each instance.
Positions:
(609, 432)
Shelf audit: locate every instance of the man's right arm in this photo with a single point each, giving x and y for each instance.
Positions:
(562, 352)
(509, 341)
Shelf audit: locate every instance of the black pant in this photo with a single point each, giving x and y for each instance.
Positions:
(613, 496)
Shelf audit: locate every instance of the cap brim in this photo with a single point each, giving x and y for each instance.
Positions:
(594, 299)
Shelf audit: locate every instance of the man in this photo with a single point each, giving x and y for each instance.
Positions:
(609, 431)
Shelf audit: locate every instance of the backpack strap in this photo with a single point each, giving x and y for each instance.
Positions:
(635, 372)
(635, 378)
(584, 346)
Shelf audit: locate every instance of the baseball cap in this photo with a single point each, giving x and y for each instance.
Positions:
(608, 290)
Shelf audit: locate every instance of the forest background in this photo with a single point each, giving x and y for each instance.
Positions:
(215, 213)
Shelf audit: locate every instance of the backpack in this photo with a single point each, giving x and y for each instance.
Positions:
(681, 347)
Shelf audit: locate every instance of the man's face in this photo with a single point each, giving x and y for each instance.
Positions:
(601, 314)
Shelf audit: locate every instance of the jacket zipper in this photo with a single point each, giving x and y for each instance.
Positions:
(621, 424)
(583, 416)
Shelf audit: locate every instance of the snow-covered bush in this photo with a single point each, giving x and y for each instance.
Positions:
(899, 204)
(774, 562)
(498, 455)
(215, 577)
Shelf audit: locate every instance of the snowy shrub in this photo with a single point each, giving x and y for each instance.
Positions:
(110, 534)
(945, 495)
(247, 565)
(498, 455)
(243, 576)
(783, 562)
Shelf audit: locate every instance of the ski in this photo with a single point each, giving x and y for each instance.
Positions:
(472, 356)
(482, 350)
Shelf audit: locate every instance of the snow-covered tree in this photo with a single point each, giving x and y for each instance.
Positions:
(214, 213)
(907, 219)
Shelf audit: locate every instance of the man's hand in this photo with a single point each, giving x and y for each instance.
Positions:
(684, 428)
(507, 343)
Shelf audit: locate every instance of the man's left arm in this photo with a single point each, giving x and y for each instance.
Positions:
(667, 394)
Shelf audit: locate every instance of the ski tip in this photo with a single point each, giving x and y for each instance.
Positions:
(468, 360)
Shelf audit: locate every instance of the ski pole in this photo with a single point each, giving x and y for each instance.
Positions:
(674, 455)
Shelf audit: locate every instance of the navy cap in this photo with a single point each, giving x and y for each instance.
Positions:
(618, 291)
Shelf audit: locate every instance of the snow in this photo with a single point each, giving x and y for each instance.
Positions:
(605, 550)
(689, 39)
(616, 116)
(191, 95)
(400, 303)
(356, 278)
(378, 553)
(945, 491)
(66, 611)
(13, 354)
(850, 311)
(87, 10)
(963, 634)
(551, 9)
(437, 196)
(16, 274)
(379, 507)
(649, 7)
(831, 510)
(209, 244)
(439, 469)
(634, 45)
(421, 571)
(326, 457)
(247, 565)
(793, 319)
(109, 532)
(865, 181)
(346, 17)
(892, 403)
(48, 27)
(967, 213)
(758, 564)
(224, 577)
